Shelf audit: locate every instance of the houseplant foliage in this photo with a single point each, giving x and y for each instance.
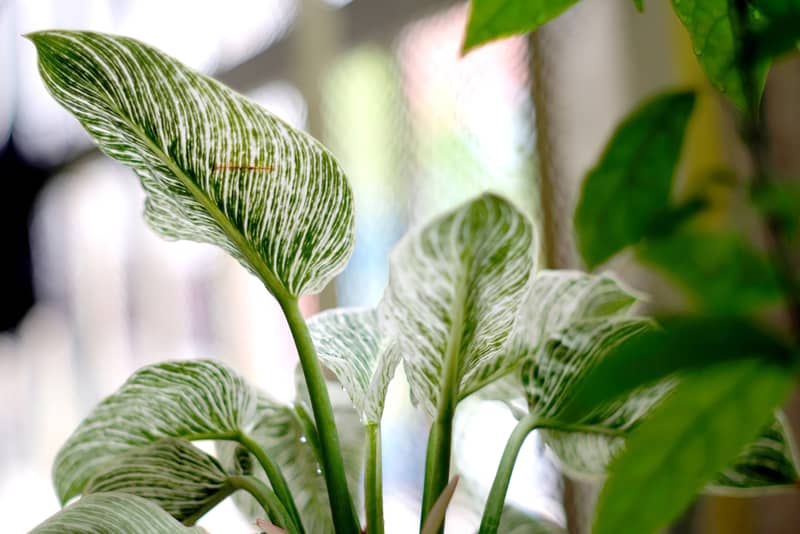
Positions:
(466, 311)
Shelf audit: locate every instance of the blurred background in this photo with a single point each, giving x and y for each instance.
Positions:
(89, 293)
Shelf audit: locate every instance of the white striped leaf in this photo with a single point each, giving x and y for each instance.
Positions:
(349, 343)
(190, 399)
(287, 435)
(103, 513)
(548, 379)
(216, 167)
(179, 477)
(456, 287)
(558, 299)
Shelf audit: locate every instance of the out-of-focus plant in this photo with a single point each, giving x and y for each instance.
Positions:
(724, 369)
(690, 399)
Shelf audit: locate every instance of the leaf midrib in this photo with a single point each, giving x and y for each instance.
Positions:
(268, 277)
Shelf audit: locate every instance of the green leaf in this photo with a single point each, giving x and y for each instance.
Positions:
(723, 273)
(180, 478)
(628, 190)
(717, 36)
(102, 513)
(639, 5)
(349, 344)
(492, 19)
(699, 429)
(288, 436)
(681, 344)
(776, 25)
(781, 202)
(190, 399)
(216, 167)
(454, 295)
(586, 450)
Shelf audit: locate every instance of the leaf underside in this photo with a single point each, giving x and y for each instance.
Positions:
(216, 167)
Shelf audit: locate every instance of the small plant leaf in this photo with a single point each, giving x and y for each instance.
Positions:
(721, 271)
(699, 429)
(455, 291)
(216, 167)
(716, 37)
(288, 436)
(113, 512)
(190, 399)
(490, 19)
(639, 5)
(628, 190)
(179, 477)
(349, 344)
(680, 344)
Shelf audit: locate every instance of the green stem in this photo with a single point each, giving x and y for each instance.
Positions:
(345, 520)
(754, 135)
(497, 495)
(267, 499)
(373, 480)
(437, 461)
(276, 478)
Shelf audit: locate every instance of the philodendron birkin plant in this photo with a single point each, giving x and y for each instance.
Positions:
(466, 311)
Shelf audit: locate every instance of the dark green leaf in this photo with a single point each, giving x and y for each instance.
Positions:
(492, 19)
(683, 343)
(639, 5)
(781, 201)
(721, 271)
(717, 37)
(629, 188)
(776, 24)
(699, 429)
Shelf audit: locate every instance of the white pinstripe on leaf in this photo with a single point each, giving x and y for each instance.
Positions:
(216, 167)
(191, 399)
(457, 284)
(103, 513)
(179, 477)
(768, 463)
(350, 344)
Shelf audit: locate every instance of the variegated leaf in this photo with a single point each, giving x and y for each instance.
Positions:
(191, 399)
(103, 513)
(216, 167)
(179, 477)
(288, 436)
(769, 462)
(454, 295)
(349, 344)
(558, 299)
